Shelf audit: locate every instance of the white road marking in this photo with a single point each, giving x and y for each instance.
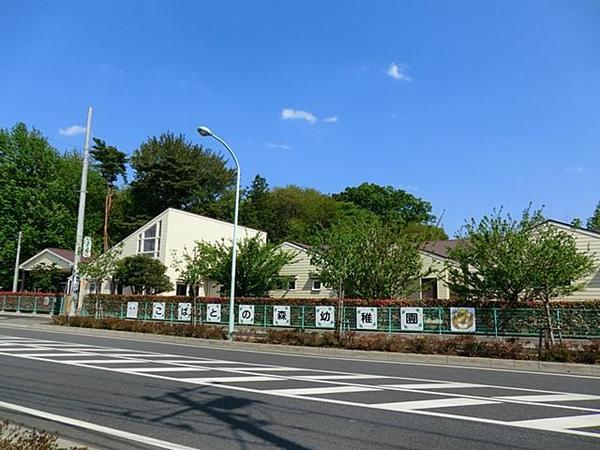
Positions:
(55, 354)
(561, 423)
(267, 369)
(350, 376)
(432, 404)
(163, 369)
(94, 427)
(322, 390)
(347, 376)
(550, 398)
(434, 385)
(101, 361)
(146, 339)
(209, 380)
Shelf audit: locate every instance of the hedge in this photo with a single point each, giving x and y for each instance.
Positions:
(512, 348)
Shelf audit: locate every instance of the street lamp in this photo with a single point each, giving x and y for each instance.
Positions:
(206, 132)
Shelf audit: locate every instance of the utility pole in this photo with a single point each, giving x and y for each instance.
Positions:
(77, 299)
(17, 261)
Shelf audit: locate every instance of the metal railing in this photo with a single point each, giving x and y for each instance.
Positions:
(31, 304)
(524, 322)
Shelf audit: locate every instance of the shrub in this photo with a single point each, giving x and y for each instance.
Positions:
(13, 437)
(469, 346)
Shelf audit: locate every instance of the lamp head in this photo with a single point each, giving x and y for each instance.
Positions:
(204, 131)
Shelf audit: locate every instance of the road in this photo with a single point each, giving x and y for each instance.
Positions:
(137, 393)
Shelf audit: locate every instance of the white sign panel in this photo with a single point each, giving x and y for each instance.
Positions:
(184, 311)
(213, 312)
(411, 319)
(324, 316)
(246, 314)
(158, 310)
(86, 251)
(462, 320)
(132, 310)
(281, 316)
(366, 318)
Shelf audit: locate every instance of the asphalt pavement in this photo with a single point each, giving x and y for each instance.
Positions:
(131, 392)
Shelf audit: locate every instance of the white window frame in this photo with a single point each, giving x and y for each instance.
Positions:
(313, 288)
(157, 237)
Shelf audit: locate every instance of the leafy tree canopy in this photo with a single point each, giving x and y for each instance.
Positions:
(297, 214)
(257, 266)
(39, 195)
(172, 172)
(143, 274)
(368, 259)
(593, 222)
(388, 203)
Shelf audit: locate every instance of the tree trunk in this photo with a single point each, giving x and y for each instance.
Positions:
(549, 320)
(107, 208)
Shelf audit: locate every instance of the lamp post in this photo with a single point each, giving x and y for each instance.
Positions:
(204, 132)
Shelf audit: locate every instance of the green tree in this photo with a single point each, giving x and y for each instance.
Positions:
(257, 266)
(593, 222)
(293, 213)
(172, 172)
(388, 203)
(45, 278)
(558, 268)
(39, 195)
(111, 164)
(144, 275)
(368, 260)
(101, 267)
(501, 258)
(254, 211)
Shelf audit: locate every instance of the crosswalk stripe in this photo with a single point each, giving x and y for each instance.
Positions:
(431, 404)
(561, 423)
(261, 369)
(322, 390)
(427, 386)
(228, 379)
(39, 355)
(550, 398)
(340, 377)
(162, 369)
(101, 361)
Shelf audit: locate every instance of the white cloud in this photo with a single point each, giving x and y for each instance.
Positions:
(398, 72)
(332, 119)
(576, 169)
(296, 114)
(73, 130)
(278, 146)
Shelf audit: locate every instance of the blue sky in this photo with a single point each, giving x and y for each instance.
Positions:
(470, 105)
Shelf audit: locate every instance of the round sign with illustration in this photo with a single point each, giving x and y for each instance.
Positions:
(462, 320)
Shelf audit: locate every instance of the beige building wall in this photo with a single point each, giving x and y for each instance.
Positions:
(588, 241)
(179, 232)
(48, 258)
(303, 272)
(434, 267)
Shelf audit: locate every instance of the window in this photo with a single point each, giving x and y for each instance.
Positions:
(429, 289)
(149, 240)
(181, 289)
(285, 283)
(316, 285)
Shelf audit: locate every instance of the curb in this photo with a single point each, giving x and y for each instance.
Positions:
(376, 356)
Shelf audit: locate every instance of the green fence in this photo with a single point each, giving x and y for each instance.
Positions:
(31, 304)
(526, 322)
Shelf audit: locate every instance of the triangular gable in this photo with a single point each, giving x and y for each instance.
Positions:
(67, 264)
